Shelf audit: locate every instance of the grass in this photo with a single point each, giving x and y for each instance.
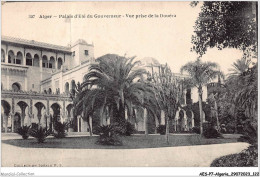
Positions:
(129, 142)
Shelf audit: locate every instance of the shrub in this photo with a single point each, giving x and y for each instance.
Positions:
(24, 131)
(247, 158)
(130, 129)
(196, 130)
(211, 132)
(249, 132)
(107, 135)
(161, 129)
(60, 129)
(40, 134)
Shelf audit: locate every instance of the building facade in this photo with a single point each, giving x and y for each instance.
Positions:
(36, 79)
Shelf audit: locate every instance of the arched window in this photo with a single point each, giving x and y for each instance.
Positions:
(16, 87)
(36, 60)
(52, 63)
(44, 61)
(67, 87)
(73, 84)
(2, 56)
(19, 58)
(28, 59)
(59, 63)
(11, 58)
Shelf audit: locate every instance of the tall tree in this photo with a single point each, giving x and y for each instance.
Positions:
(201, 73)
(225, 24)
(168, 92)
(115, 84)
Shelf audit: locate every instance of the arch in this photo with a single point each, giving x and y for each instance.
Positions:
(39, 106)
(22, 104)
(17, 121)
(56, 112)
(11, 57)
(16, 87)
(52, 63)
(2, 55)
(6, 106)
(36, 60)
(60, 63)
(28, 59)
(73, 84)
(181, 120)
(69, 109)
(44, 61)
(19, 58)
(67, 87)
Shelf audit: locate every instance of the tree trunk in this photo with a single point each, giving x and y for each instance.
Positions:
(167, 129)
(90, 129)
(200, 107)
(216, 108)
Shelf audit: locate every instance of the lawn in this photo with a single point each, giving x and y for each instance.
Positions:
(129, 142)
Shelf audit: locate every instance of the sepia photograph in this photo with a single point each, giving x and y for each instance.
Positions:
(130, 84)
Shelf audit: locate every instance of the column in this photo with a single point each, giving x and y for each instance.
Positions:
(192, 119)
(6, 121)
(176, 120)
(162, 117)
(6, 57)
(12, 118)
(90, 123)
(185, 92)
(156, 124)
(145, 121)
(185, 120)
(12, 114)
(78, 122)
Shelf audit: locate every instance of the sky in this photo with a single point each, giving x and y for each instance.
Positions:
(165, 39)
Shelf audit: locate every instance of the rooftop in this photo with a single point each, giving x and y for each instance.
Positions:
(34, 43)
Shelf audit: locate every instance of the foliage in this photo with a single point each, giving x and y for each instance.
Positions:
(161, 129)
(196, 129)
(168, 93)
(211, 133)
(40, 133)
(113, 85)
(226, 24)
(130, 129)
(60, 129)
(200, 74)
(249, 132)
(24, 131)
(107, 135)
(247, 158)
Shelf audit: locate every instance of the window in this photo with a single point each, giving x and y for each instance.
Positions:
(43, 65)
(86, 52)
(50, 65)
(73, 53)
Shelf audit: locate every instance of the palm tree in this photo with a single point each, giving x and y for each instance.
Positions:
(114, 85)
(201, 73)
(239, 67)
